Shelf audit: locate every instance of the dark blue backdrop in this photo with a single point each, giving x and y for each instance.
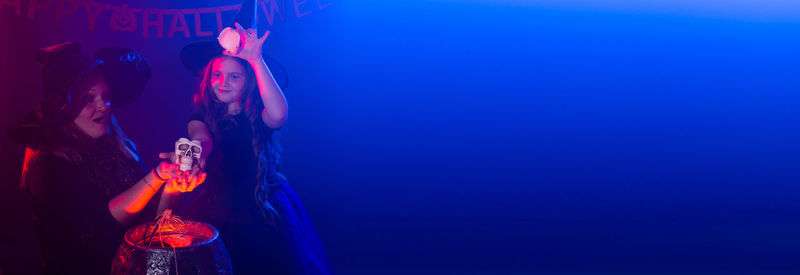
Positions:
(478, 136)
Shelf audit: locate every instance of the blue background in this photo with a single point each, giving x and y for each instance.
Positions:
(577, 137)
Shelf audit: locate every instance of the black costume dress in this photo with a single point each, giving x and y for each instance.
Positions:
(261, 221)
(70, 199)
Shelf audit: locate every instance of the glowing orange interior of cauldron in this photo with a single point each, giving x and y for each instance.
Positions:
(189, 234)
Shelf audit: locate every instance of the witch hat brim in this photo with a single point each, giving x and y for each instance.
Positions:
(125, 71)
(195, 56)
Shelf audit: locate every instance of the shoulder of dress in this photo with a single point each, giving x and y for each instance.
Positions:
(48, 159)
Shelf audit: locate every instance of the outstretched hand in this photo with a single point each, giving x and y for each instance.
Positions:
(181, 181)
(251, 44)
(186, 183)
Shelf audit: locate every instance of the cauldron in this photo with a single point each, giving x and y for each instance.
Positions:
(192, 248)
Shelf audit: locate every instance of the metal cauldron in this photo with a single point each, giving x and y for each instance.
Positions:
(193, 248)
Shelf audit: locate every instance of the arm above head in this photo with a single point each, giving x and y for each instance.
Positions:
(275, 106)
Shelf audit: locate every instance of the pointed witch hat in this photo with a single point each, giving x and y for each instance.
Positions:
(196, 55)
(124, 70)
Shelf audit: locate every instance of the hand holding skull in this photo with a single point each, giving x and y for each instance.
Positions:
(188, 162)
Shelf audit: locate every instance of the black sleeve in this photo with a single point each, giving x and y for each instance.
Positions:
(60, 188)
(198, 117)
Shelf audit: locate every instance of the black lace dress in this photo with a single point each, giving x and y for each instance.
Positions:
(261, 219)
(70, 199)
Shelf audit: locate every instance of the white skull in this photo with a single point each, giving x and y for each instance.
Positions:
(186, 152)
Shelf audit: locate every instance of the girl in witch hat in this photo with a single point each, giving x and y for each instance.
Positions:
(240, 106)
(83, 176)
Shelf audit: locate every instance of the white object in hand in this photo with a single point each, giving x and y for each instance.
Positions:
(186, 152)
(230, 40)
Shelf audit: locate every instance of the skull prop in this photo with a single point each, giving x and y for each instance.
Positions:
(186, 153)
(231, 40)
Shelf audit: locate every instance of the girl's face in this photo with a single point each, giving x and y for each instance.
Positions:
(228, 79)
(95, 115)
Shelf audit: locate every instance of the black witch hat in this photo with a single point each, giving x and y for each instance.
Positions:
(196, 55)
(125, 72)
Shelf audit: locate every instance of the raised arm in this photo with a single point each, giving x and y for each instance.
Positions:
(275, 106)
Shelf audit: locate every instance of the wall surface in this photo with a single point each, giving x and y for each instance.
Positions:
(570, 137)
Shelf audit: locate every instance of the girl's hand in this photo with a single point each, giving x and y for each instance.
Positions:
(251, 47)
(195, 178)
(200, 164)
(181, 181)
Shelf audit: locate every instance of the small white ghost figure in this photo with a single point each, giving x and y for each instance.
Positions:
(186, 153)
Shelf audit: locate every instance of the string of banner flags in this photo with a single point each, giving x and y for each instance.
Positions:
(154, 22)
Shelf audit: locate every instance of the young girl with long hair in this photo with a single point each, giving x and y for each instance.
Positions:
(261, 220)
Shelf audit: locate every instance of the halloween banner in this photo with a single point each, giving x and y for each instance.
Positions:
(155, 22)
